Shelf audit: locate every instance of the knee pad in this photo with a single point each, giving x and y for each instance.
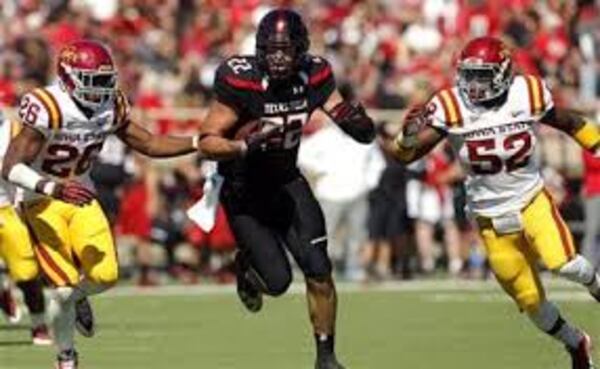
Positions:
(278, 286)
(578, 269)
(316, 263)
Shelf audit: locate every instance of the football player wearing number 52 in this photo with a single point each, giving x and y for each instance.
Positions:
(64, 128)
(268, 202)
(489, 118)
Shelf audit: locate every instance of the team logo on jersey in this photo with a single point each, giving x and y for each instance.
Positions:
(286, 107)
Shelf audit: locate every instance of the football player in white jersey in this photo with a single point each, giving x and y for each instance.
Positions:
(17, 251)
(65, 126)
(490, 119)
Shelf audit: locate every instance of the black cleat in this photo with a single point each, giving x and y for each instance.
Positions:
(84, 318)
(329, 362)
(581, 357)
(250, 296)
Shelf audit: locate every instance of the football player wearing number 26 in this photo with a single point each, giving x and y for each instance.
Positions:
(268, 202)
(64, 128)
(489, 118)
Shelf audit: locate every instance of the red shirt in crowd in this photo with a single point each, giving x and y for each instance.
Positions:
(591, 174)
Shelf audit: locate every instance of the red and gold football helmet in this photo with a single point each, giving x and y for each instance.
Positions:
(87, 71)
(484, 70)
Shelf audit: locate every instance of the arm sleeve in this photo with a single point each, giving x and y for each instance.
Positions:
(34, 114)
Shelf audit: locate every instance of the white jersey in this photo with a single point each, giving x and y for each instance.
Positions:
(496, 146)
(73, 140)
(8, 129)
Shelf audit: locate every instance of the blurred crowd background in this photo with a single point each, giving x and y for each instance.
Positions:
(385, 221)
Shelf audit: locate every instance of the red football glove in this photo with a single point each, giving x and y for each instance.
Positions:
(73, 193)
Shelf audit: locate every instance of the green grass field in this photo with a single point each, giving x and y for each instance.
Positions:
(416, 326)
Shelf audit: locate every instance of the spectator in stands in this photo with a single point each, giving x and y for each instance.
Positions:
(344, 172)
(430, 202)
(591, 195)
(388, 246)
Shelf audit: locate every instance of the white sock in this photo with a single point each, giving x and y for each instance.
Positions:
(548, 319)
(64, 322)
(38, 320)
(4, 283)
(580, 270)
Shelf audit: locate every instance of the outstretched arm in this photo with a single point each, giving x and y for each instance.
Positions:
(144, 142)
(213, 143)
(575, 125)
(417, 136)
(351, 117)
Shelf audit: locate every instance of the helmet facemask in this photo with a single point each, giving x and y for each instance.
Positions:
(92, 88)
(483, 82)
(280, 58)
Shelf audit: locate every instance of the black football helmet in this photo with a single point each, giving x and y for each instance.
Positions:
(281, 43)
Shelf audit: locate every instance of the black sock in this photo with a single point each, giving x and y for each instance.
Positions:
(325, 345)
(33, 295)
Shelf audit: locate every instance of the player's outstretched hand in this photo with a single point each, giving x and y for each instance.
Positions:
(415, 119)
(269, 137)
(73, 193)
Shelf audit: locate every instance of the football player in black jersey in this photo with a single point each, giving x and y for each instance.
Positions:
(269, 204)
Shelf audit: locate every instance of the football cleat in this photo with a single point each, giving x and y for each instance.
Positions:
(581, 357)
(250, 296)
(40, 336)
(329, 362)
(67, 360)
(9, 306)
(84, 318)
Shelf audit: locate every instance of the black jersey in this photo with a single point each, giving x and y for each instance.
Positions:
(241, 85)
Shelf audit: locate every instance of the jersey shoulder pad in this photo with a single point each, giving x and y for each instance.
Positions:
(235, 79)
(240, 72)
(536, 92)
(445, 110)
(319, 71)
(39, 109)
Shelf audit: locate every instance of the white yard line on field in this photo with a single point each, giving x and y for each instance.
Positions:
(434, 286)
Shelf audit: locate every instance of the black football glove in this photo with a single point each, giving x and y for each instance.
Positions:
(352, 118)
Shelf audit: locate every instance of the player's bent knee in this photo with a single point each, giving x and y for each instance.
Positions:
(107, 277)
(529, 302)
(25, 273)
(279, 286)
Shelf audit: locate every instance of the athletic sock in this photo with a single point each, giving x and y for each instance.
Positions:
(64, 322)
(580, 270)
(325, 345)
(548, 319)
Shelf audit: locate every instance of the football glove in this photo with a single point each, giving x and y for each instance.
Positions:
(73, 193)
(271, 137)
